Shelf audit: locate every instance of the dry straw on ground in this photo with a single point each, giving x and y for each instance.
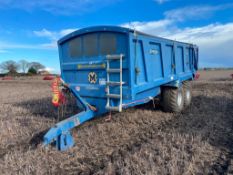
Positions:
(140, 140)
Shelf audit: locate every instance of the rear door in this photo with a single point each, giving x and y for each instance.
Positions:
(83, 60)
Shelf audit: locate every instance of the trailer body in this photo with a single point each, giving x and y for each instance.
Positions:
(112, 68)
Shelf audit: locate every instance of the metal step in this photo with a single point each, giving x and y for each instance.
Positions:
(114, 70)
(114, 96)
(113, 108)
(114, 57)
(114, 83)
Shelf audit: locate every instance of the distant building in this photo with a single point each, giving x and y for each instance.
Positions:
(43, 72)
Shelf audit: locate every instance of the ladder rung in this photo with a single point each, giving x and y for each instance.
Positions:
(114, 57)
(113, 70)
(114, 83)
(113, 108)
(114, 95)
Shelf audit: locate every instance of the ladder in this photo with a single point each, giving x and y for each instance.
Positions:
(109, 83)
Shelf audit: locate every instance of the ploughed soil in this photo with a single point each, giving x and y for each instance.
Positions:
(140, 140)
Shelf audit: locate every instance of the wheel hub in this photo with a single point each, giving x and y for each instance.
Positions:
(188, 94)
(179, 98)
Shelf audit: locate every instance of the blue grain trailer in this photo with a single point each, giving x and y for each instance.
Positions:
(113, 68)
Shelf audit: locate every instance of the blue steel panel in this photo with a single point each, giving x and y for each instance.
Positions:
(190, 58)
(179, 60)
(168, 60)
(154, 61)
(139, 62)
(169, 66)
(187, 60)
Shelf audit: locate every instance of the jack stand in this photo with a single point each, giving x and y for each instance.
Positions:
(153, 100)
(64, 141)
(109, 117)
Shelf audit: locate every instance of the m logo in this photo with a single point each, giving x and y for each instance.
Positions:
(92, 77)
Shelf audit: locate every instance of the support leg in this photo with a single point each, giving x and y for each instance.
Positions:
(60, 133)
(64, 141)
(109, 118)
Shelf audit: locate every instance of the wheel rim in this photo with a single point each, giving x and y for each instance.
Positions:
(188, 95)
(179, 98)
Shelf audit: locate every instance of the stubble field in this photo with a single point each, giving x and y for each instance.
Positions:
(140, 140)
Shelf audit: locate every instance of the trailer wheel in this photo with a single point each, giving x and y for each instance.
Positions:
(187, 88)
(172, 99)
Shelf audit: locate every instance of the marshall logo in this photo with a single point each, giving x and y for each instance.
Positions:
(92, 77)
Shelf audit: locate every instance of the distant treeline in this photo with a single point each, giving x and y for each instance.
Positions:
(21, 74)
(20, 68)
(218, 68)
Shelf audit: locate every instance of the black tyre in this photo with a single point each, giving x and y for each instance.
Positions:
(172, 99)
(187, 88)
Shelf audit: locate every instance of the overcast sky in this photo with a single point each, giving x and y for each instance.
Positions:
(29, 29)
